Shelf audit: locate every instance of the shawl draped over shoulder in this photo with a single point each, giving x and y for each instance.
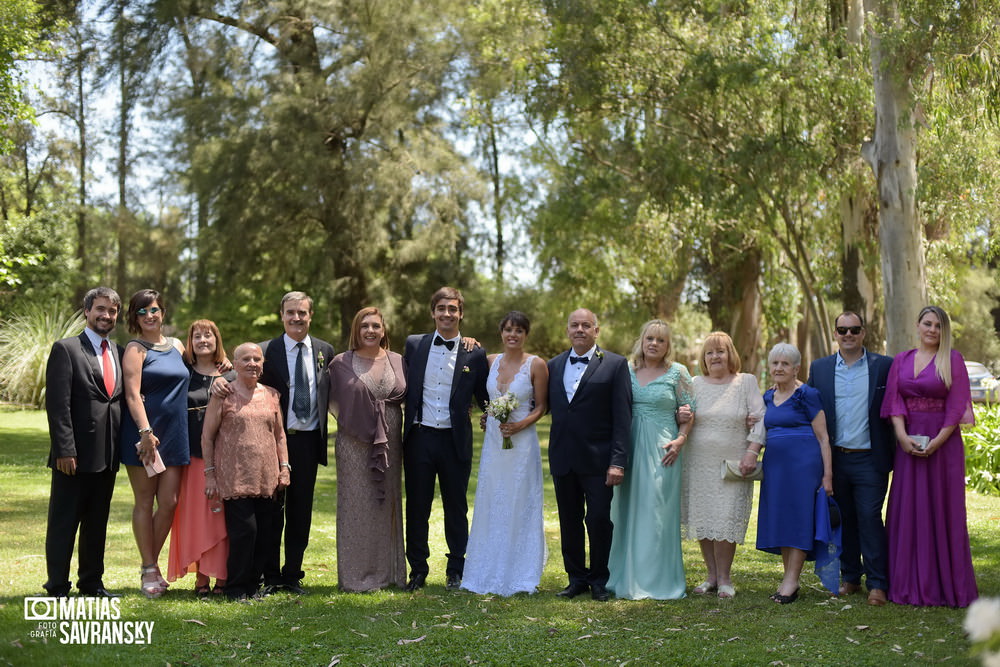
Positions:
(361, 415)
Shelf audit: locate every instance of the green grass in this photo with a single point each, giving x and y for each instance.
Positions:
(435, 627)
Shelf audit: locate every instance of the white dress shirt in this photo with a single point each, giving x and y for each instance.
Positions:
(291, 352)
(573, 373)
(438, 376)
(95, 340)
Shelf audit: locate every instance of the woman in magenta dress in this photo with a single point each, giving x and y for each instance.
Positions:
(930, 561)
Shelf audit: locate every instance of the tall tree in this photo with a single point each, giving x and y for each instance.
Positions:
(909, 42)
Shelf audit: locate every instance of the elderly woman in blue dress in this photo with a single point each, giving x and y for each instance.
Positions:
(796, 464)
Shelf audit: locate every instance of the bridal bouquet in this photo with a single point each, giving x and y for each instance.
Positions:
(500, 408)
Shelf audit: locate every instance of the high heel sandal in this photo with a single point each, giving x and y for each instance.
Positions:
(151, 589)
(705, 587)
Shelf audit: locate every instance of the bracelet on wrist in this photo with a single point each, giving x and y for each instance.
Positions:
(209, 469)
(144, 431)
(285, 464)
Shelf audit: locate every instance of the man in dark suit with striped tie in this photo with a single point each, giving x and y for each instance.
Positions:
(83, 400)
(295, 365)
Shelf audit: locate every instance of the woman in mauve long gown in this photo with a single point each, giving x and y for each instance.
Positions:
(367, 387)
(928, 394)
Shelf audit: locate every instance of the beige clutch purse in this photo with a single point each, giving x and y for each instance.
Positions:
(731, 472)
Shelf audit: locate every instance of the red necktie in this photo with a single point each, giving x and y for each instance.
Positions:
(109, 371)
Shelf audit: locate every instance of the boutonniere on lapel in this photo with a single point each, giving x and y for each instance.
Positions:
(320, 365)
(599, 354)
(465, 369)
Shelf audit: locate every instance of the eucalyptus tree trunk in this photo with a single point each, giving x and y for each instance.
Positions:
(859, 215)
(892, 155)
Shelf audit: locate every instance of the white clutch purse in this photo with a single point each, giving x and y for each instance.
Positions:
(731, 472)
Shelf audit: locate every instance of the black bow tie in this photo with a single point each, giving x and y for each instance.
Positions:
(579, 360)
(441, 341)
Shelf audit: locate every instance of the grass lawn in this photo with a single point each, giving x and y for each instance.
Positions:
(436, 627)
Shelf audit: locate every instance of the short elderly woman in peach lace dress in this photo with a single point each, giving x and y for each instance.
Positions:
(246, 464)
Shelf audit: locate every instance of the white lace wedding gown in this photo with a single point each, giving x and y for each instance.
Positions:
(506, 551)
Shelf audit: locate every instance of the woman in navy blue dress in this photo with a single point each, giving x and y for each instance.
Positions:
(796, 464)
(154, 427)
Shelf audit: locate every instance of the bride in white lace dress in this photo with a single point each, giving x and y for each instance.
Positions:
(506, 551)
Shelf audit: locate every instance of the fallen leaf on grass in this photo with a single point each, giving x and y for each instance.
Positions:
(335, 660)
(17, 644)
(585, 637)
(674, 630)
(862, 627)
(733, 639)
(533, 620)
(193, 620)
(403, 642)
(321, 632)
(552, 631)
(358, 633)
(293, 628)
(853, 641)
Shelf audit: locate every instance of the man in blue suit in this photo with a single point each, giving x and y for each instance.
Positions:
(590, 396)
(442, 380)
(851, 384)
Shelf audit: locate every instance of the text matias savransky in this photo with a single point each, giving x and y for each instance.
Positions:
(84, 620)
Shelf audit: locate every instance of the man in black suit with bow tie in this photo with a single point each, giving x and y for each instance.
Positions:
(590, 397)
(442, 379)
(83, 400)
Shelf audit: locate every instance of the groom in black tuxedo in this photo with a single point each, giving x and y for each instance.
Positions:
(441, 380)
(83, 399)
(590, 396)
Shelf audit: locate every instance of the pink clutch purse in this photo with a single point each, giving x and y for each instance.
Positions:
(156, 467)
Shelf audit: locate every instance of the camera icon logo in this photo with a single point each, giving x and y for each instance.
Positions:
(41, 609)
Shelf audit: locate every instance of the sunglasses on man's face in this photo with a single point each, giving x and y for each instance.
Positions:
(151, 311)
(854, 330)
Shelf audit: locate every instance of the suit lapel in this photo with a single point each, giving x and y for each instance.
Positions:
(461, 357)
(419, 367)
(592, 366)
(872, 377)
(93, 358)
(278, 357)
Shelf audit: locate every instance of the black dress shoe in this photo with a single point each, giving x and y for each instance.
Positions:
(454, 582)
(100, 592)
(294, 587)
(599, 593)
(416, 582)
(573, 590)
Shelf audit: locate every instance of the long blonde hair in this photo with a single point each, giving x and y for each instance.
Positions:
(942, 358)
(638, 358)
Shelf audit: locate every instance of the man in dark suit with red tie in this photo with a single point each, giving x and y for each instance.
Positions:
(590, 397)
(83, 399)
(442, 380)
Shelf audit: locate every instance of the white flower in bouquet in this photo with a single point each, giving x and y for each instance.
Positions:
(982, 622)
(501, 408)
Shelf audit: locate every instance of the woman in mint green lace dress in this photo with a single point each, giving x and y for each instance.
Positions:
(646, 559)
